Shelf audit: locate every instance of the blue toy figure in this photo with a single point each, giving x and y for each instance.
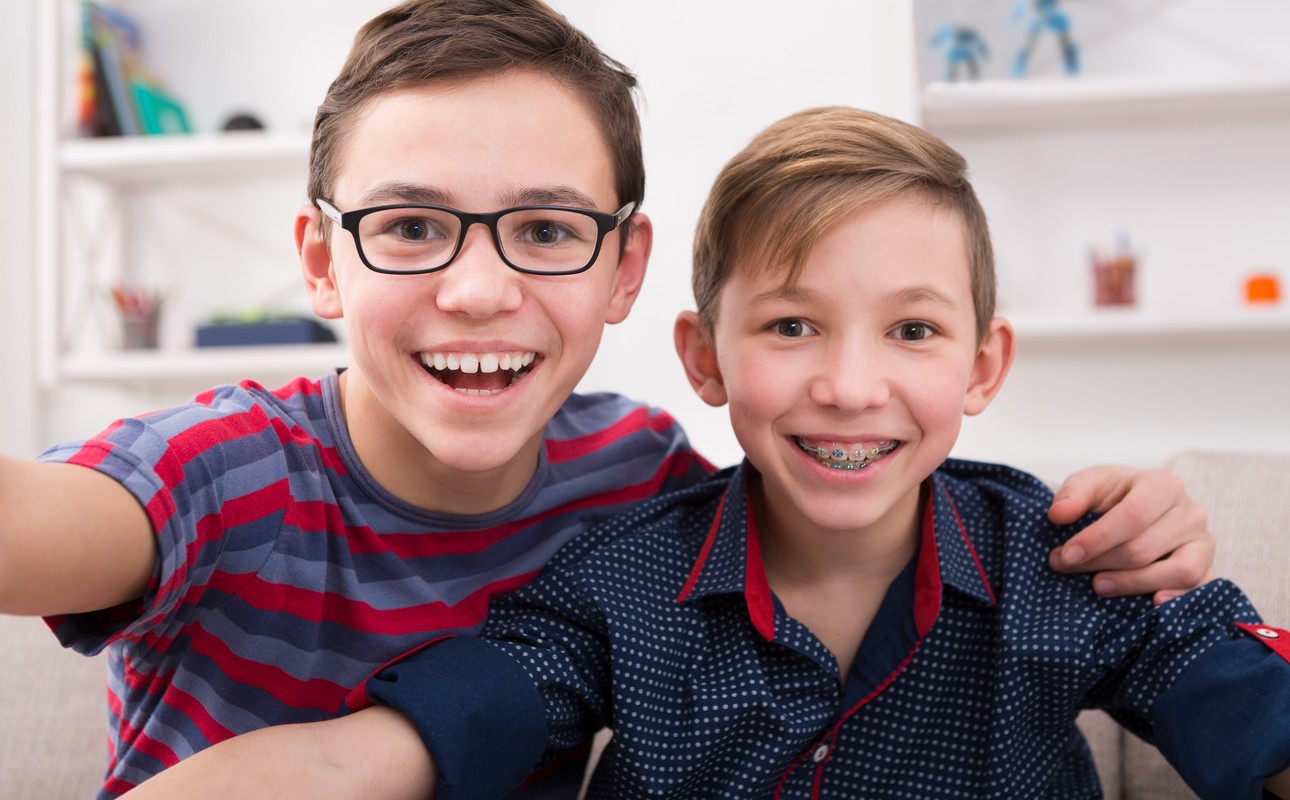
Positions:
(1047, 16)
(964, 47)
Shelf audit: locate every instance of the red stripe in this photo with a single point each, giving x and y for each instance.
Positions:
(317, 606)
(927, 575)
(558, 450)
(1276, 639)
(419, 545)
(703, 554)
(837, 727)
(761, 605)
(91, 455)
(358, 698)
(314, 693)
(196, 712)
(968, 543)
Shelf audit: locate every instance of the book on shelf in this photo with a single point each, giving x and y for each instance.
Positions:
(118, 95)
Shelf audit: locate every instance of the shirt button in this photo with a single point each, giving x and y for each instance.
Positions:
(1267, 633)
(821, 753)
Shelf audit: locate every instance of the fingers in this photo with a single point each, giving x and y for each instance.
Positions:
(1148, 515)
(1154, 539)
(1182, 570)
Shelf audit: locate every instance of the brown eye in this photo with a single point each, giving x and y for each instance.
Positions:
(793, 328)
(914, 331)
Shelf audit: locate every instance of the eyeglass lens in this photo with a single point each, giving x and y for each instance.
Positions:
(410, 239)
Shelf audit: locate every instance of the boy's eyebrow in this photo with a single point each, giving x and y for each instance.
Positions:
(909, 296)
(553, 196)
(923, 294)
(392, 192)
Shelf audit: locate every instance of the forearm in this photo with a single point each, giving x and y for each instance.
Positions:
(374, 753)
(1279, 785)
(71, 540)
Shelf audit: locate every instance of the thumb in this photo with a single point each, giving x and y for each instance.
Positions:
(1092, 489)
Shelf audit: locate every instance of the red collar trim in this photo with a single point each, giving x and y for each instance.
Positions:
(697, 570)
(761, 603)
(927, 575)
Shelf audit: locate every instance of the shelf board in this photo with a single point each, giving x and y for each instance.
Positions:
(1036, 103)
(136, 160)
(1134, 325)
(212, 364)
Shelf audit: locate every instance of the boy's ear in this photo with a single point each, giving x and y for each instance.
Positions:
(315, 262)
(630, 273)
(993, 360)
(699, 357)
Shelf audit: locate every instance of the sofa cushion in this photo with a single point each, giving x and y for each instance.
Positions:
(1248, 500)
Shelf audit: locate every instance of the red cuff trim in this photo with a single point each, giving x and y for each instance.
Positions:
(358, 698)
(1277, 639)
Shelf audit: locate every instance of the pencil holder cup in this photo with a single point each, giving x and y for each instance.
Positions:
(139, 331)
(1113, 280)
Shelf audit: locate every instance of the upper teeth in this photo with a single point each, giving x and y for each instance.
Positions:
(847, 455)
(478, 362)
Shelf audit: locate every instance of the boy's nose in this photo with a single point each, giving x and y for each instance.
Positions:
(478, 283)
(850, 377)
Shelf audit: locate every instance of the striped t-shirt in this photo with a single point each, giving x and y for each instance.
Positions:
(286, 574)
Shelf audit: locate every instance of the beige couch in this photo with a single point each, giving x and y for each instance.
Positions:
(1248, 500)
(52, 735)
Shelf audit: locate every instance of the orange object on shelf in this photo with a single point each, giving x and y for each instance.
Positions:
(1262, 288)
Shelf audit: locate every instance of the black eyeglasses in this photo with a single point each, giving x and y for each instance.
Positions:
(416, 239)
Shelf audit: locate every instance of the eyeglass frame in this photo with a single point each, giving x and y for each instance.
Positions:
(605, 224)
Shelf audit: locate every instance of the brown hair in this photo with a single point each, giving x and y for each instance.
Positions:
(798, 178)
(425, 40)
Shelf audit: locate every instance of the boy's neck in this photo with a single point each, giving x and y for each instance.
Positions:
(408, 470)
(796, 553)
(834, 582)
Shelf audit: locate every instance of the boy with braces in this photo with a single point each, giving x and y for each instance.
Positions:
(790, 629)
(249, 557)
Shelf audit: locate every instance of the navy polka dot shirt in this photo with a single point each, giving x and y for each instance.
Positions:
(660, 625)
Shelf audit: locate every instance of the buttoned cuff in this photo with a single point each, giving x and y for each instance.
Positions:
(1223, 725)
(476, 710)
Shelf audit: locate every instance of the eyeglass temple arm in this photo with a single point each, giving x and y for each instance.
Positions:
(327, 208)
(624, 212)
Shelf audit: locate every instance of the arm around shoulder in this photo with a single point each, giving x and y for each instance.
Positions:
(374, 754)
(71, 540)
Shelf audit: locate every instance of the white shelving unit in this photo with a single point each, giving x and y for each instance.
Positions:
(1195, 170)
(1022, 105)
(987, 115)
(135, 162)
(89, 219)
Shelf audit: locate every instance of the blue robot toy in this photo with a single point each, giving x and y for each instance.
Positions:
(1047, 16)
(964, 49)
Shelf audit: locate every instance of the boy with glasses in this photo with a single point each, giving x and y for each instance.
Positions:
(247, 558)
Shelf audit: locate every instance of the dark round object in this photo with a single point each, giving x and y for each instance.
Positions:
(243, 122)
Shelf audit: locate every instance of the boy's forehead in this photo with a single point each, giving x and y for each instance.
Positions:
(509, 133)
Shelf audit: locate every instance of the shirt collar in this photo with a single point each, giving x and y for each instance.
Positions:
(730, 560)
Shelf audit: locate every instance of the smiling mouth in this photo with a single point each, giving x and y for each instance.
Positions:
(847, 455)
(478, 374)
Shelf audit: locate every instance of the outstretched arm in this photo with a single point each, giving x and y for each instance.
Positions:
(374, 754)
(1153, 538)
(71, 539)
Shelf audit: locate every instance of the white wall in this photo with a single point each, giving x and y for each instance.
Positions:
(714, 73)
(18, 399)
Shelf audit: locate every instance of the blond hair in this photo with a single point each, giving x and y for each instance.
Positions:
(805, 173)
